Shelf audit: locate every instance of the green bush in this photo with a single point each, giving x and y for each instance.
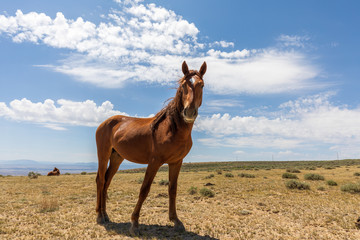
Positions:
(192, 190)
(33, 175)
(293, 184)
(246, 175)
(321, 188)
(210, 176)
(313, 176)
(289, 176)
(140, 180)
(229, 175)
(331, 183)
(207, 192)
(293, 171)
(83, 173)
(219, 172)
(357, 174)
(163, 182)
(67, 173)
(351, 188)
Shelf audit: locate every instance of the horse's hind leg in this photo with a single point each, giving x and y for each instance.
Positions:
(104, 153)
(115, 161)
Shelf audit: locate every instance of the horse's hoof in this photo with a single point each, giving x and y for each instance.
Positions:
(106, 218)
(179, 227)
(134, 231)
(102, 218)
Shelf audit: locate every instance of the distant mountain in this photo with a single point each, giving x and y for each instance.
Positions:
(24, 166)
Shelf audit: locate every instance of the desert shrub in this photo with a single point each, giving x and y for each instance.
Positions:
(67, 173)
(246, 175)
(293, 184)
(192, 190)
(219, 172)
(207, 192)
(229, 175)
(293, 170)
(289, 176)
(321, 188)
(163, 182)
(313, 176)
(210, 176)
(351, 188)
(311, 168)
(331, 183)
(83, 173)
(140, 180)
(329, 168)
(33, 175)
(357, 174)
(1, 175)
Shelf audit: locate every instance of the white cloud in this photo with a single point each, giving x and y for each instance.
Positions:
(56, 116)
(267, 71)
(145, 42)
(223, 44)
(293, 40)
(308, 122)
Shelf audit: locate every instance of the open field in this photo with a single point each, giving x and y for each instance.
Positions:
(262, 207)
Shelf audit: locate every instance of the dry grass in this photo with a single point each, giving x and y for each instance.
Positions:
(258, 208)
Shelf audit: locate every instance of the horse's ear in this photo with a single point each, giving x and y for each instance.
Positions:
(203, 69)
(185, 68)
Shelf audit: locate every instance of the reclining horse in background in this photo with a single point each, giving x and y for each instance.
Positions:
(55, 172)
(164, 138)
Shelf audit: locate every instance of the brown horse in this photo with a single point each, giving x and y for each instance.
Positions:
(55, 172)
(164, 138)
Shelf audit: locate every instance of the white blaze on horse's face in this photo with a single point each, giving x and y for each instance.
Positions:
(193, 85)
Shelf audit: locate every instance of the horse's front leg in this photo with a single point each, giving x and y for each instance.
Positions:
(151, 171)
(174, 170)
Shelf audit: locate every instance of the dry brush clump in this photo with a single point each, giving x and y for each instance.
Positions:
(229, 175)
(163, 182)
(351, 188)
(313, 176)
(289, 176)
(331, 183)
(207, 192)
(33, 175)
(210, 176)
(192, 190)
(293, 184)
(246, 175)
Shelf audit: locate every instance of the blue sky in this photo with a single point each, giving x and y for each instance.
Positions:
(282, 80)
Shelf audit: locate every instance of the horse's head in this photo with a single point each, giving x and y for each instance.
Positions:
(192, 89)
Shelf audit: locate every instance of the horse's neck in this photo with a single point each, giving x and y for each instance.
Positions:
(177, 127)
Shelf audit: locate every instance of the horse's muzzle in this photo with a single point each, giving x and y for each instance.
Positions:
(190, 114)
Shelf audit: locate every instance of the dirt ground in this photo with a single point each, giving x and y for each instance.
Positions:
(63, 207)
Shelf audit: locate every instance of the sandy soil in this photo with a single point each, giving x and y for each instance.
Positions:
(63, 207)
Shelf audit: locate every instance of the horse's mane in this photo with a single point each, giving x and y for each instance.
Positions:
(174, 107)
(172, 110)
